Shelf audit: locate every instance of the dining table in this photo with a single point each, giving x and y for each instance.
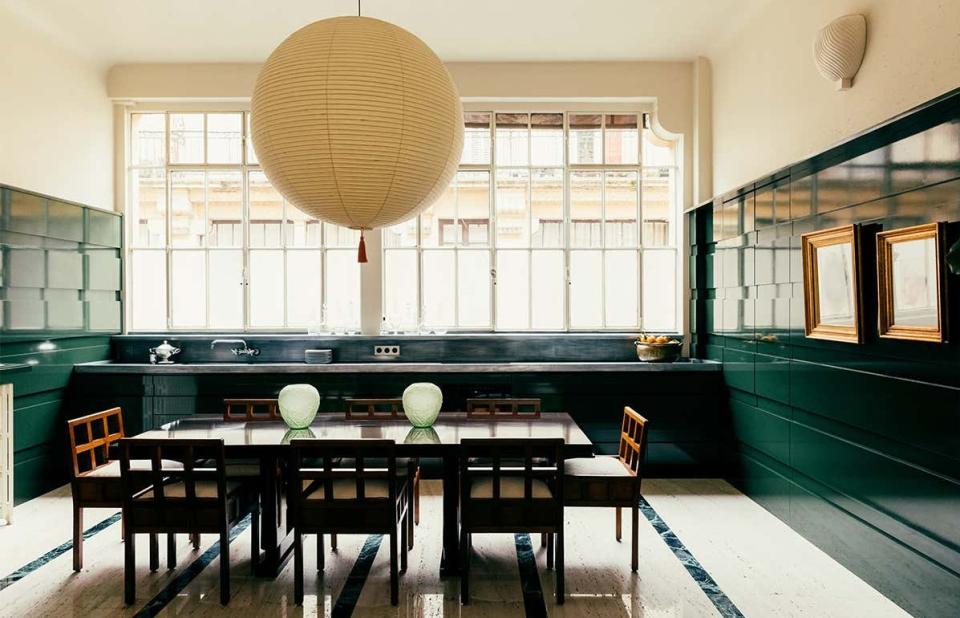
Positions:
(269, 443)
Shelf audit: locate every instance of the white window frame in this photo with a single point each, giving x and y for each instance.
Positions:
(244, 168)
(567, 169)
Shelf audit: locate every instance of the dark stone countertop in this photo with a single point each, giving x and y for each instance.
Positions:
(110, 367)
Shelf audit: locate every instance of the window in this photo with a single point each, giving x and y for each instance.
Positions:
(212, 245)
(554, 221)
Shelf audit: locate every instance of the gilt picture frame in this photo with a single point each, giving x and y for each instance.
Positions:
(911, 295)
(831, 284)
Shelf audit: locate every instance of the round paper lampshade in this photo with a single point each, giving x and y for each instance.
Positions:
(357, 122)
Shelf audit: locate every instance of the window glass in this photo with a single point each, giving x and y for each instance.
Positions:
(513, 208)
(513, 290)
(186, 138)
(657, 151)
(225, 208)
(147, 132)
(439, 288)
(585, 139)
(148, 208)
(251, 151)
(473, 288)
(342, 289)
(659, 206)
(620, 209)
(546, 205)
(266, 213)
(224, 138)
(586, 289)
(547, 289)
(148, 290)
(586, 209)
(659, 290)
(400, 274)
(304, 270)
(266, 288)
(476, 138)
(546, 139)
(226, 289)
(621, 139)
(473, 208)
(188, 289)
(620, 289)
(512, 139)
(187, 209)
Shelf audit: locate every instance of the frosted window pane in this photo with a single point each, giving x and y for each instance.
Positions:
(226, 289)
(343, 289)
(148, 280)
(400, 289)
(304, 288)
(439, 287)
(188, 283)
(224, 139)
(473, 289)
(266, 288)
(513, 290)
(659, 291)
(547, 284)
(586, 300)
(186, 138)
(620, 289)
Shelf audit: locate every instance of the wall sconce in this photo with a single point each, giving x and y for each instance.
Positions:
(838, 49)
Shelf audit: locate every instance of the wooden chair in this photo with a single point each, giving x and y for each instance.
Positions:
(612, 481)
(183, 498)
(503, 409)
(384, 409)
(495, 497)
(95, 475)
(250, 410)
(328, 499)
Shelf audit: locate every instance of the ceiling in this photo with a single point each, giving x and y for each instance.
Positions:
(130, 31)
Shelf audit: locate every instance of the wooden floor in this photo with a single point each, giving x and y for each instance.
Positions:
(754, 564)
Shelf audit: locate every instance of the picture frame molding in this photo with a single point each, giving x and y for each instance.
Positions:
(810, 243)
(885, 309)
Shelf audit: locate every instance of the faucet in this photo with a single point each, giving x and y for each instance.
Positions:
(244, 350)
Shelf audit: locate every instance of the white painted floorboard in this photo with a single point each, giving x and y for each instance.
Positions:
(765, 568)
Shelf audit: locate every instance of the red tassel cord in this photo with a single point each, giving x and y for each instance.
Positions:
(362, 250)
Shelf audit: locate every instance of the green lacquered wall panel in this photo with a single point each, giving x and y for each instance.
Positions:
(59, 284)
(855, 446)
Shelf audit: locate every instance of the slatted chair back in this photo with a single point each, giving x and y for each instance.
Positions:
(180, 495)
(633, 440)
(502, 461)
(370, 409)
(503, 409)
(91, 438)
(317, 465)
(250, 410)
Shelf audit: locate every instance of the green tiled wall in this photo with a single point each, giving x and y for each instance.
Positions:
(60, 284)
(855, 446)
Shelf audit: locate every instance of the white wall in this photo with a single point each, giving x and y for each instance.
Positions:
(56, 121)
(770, 105)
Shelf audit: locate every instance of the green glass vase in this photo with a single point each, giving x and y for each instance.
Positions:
(298, 405)
(421, 403)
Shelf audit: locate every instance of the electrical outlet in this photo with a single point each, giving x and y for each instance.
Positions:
(386, 352)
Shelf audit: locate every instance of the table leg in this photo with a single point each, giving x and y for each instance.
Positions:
(274, 540)
(450, 559)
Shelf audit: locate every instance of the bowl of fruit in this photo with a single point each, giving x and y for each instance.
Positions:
(658, 348)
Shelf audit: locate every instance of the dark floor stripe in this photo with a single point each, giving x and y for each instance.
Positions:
(529, 577)
(699, 574)
(54, 553)
(352, 588)
(175, 587)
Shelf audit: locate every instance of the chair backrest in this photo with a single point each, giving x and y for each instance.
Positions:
(319, 462)
(496, 459)
(91, 437)
(250, 410)
(633, 440)
(503, 409)
(359, 409)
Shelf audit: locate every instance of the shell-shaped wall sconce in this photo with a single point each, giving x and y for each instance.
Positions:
(838, 49)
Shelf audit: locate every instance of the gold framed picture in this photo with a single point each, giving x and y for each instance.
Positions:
(911, 298)
(831, 284)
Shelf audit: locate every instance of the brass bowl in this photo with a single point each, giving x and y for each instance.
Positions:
(659, 352)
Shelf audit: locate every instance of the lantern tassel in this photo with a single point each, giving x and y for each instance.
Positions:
(362, 250)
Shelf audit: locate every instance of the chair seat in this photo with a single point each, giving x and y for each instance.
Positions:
(510, 487)
(203, 489)
(346, 489)
(375, 462)
(595, 466)
(112, 469)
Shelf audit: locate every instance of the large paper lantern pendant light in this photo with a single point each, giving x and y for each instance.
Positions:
(357, 122)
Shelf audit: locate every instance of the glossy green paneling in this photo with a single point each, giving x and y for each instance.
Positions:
(855, 446)
(59, 281)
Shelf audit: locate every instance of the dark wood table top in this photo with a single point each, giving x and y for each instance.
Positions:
(446, 433)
